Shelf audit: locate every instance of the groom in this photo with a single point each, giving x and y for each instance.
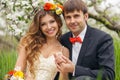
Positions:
(91, 50)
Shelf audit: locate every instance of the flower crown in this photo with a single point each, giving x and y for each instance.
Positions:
(53, 7)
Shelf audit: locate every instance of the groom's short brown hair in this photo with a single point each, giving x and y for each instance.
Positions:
(72, 5)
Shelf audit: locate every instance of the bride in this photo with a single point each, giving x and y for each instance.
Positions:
(37, 48)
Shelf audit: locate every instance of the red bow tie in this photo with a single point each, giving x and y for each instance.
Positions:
(75, 39)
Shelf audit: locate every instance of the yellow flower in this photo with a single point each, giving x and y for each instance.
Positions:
(18, 74)
(60, 6)
(53, 7)
(58, 11)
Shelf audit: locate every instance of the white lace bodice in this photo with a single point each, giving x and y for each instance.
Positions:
(46, 69)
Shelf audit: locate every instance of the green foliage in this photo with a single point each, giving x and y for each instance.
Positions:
(99, 1)
(117, 58)
(7, 62)
(115, 18)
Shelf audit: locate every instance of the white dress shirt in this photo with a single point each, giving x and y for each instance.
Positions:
(76, 47)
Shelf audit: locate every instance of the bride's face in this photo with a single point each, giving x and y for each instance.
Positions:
(49, 26)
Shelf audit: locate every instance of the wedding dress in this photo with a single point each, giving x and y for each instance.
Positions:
(46, 69)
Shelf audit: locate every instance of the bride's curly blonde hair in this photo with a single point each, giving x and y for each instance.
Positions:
(34, 38)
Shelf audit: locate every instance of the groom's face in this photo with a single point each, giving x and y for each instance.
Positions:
(76, 21)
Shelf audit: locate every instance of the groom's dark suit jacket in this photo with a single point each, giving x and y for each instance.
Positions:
(96, 55)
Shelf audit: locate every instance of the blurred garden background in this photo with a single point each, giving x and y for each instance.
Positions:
(16, 15)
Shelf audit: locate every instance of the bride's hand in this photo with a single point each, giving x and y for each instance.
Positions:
(64, 65)
(59, 58)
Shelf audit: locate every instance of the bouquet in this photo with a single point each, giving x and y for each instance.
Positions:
(16, 74)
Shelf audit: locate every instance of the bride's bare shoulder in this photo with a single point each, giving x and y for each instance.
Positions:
(65, 52)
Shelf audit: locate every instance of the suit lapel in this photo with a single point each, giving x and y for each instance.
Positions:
(85, 45)
(70, 49)
(70, 46)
